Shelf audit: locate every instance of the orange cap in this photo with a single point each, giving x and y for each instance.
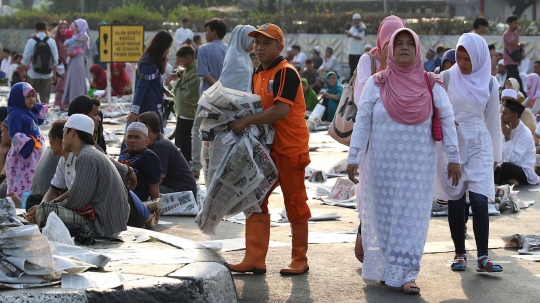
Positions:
(271, 31)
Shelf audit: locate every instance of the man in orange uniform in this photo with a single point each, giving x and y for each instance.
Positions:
(280, 88)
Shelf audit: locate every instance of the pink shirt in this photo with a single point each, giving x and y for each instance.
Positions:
(508, 37)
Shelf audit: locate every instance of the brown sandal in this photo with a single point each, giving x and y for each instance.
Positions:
(358, 248)
(410, 288)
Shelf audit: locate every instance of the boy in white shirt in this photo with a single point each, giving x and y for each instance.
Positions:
(519, 152)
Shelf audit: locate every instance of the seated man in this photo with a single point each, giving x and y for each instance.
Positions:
(312, 76)
(518, 148)
(47, 164)
(97, 190)
(144, 162)
(176, 175)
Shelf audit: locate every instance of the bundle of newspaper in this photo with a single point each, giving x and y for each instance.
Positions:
(238, 169)
(30, 259)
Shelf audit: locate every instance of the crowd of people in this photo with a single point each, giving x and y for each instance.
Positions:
(448, 128)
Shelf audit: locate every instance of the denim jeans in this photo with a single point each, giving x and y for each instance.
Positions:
(456, 221)
(141, 208)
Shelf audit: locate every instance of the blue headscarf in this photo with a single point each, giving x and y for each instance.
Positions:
(449, 55)
(17, 100)
(337, 89)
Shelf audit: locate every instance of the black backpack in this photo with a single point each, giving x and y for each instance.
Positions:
(42, 60)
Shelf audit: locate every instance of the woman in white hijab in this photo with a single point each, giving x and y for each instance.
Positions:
(476, 110)
(237, 67)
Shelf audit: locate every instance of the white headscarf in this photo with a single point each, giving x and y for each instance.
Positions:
(475, 84)
(237, 67)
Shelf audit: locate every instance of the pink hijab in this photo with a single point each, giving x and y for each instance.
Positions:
(388, 26)
(404, 91)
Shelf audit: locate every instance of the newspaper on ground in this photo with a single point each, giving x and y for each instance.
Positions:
(86, 280)
(81, 254)
(8, 215)
(179, 204)
(239, 171)
(315, 118)
(343, 189)
(55, 230)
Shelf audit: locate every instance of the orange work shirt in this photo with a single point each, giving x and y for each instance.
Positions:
(281, 82)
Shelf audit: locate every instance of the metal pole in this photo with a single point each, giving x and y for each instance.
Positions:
(82, 6)
(384, 6)
(109, 98)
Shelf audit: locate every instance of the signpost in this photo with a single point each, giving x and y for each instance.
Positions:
(120, 43)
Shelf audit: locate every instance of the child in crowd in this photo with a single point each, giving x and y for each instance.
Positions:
(73, 44)
(24, 118)
(119, 80)
(19, 75)
(186, 96)
(15, 62)
(146, 165)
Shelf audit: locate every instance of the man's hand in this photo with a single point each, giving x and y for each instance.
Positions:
(132, 118)
(454, 172)
(494, 166)
(53, 80)
(131, 179)
(31, 214)
(351, 170)
(507, 131)
(238, 126)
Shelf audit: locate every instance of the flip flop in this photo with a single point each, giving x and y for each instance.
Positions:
(410, 288)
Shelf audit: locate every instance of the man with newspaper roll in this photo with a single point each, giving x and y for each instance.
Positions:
(280, 88)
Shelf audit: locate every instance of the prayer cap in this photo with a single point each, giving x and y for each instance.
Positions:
(501, 62)
(138, 126)
(317, 49)
(512, 93)
(81, 122)
(356, 17)
(430, 51)
(515, 106)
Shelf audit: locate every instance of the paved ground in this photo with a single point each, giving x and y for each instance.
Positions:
(335, 274)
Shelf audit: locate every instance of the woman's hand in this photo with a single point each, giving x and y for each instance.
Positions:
(351, 170)
(454, 172)
(132, 118)
(325, 95)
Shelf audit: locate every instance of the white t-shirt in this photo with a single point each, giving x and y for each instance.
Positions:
(181, 35)
(520, 150)
(65, 173)
(5, 64)
(356, 47)
(301, 59)
(9, 75)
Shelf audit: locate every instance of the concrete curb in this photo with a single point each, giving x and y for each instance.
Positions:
(206, 279)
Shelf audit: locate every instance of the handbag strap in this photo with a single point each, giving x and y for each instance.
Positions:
(429, 88)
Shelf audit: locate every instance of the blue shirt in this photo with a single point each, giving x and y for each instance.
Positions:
(148, 89)
(210, 62)
(29, 52)
(147, 168)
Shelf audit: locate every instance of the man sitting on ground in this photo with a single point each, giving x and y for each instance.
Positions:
(144, 162)
(176, 175)
(97, 192)
(518, 148)
(47, 165)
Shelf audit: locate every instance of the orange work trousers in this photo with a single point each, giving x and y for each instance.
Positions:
(291, 178)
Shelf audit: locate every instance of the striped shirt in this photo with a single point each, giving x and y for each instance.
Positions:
(98, 183)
